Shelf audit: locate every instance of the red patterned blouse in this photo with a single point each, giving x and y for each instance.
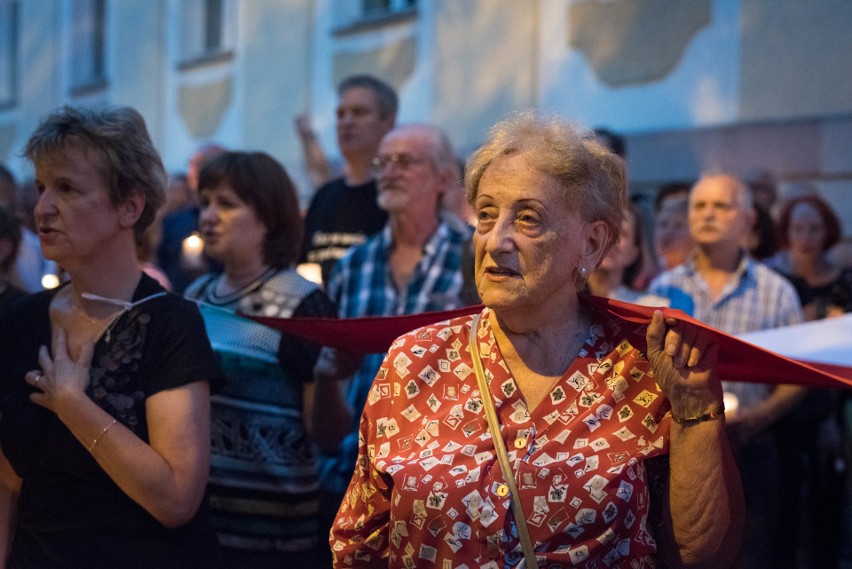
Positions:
(427, 489)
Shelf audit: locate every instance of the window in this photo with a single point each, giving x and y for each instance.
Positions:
(8, 52)
(208, 29)
(354, 17)
(88, 45)
(386, 7)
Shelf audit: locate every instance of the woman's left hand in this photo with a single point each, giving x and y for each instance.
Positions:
(683, 362)
(60, 378)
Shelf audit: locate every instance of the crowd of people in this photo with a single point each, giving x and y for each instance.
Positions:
(146, 422)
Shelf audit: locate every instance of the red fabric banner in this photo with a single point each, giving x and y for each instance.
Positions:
(738, 359)
(369, 335)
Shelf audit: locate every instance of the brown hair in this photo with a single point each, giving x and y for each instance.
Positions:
(261, 181)
(829, 219)
(386, 99)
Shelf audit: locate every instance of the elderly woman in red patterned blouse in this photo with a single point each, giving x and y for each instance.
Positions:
(617, 455)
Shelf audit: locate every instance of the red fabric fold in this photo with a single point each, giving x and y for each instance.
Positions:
(369, 335)
(738, 360)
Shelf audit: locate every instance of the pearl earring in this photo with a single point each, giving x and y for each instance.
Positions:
(583, 273)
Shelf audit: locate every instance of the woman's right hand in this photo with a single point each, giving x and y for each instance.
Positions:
(61, 379)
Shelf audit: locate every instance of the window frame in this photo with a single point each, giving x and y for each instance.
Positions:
(385, 7)
(216, 40)
(10, 12)
(368, 18)
(88, 47)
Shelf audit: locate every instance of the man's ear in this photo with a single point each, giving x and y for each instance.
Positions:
(130, 210)
(596, 244)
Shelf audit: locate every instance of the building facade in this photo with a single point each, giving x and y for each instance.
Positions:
(692, 85)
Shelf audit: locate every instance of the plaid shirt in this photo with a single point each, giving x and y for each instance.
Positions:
(755, 298)
(361, 285)
(361, 282)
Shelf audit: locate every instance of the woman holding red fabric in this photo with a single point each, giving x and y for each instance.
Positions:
(604, 420)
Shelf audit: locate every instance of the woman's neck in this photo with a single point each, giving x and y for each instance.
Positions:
(100, 299)
(543, 346)
(812, 268)
(112, 272)
(239, 275)
(113, 280)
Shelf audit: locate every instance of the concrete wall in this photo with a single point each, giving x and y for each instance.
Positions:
(611, 64)
(484, 65)
(272, 85)
(795, 59)
(137, 59)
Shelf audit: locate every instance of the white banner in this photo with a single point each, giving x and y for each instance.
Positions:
(822, 341)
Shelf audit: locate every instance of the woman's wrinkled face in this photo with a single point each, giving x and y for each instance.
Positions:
(529, 243)
(230, 227)
(75, 217)
(806, 232)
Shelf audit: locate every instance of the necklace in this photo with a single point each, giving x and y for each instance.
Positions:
(229, 295)
(84, 314)
(125, 305)
(100, 326)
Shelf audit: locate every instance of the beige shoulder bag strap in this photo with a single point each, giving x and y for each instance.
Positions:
(500, 448)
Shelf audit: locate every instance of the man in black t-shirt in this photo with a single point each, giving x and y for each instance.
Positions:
(344, 212)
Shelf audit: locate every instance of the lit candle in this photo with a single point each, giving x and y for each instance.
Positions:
(191, 250)
(49, 281)
(731, 402)
(310, 271)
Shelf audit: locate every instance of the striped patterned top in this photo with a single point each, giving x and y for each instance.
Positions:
(263, 479)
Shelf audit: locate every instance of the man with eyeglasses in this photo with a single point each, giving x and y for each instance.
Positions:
(413, 265)
(344, 212)
(720, 285)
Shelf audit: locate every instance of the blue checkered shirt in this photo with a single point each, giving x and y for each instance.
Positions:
(755, 298)
(361, 285)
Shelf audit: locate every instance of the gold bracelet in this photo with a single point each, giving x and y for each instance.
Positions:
(98, 438)
(709, 416)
